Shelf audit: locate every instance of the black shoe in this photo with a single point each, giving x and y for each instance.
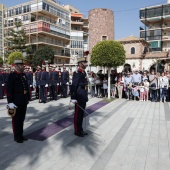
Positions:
(24, 138)
(84, 133)
(79, 134)
(19, 140)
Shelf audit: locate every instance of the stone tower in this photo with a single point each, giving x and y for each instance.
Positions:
(101, 26)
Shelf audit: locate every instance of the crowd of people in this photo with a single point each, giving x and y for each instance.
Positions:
(136, 85)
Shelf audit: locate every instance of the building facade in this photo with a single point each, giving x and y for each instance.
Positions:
(2, 7)
(156, 31)
(138, 56)
(46, 23)
(79, 34)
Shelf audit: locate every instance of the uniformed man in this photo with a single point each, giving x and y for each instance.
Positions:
(37, 80)
(79, 96)
(59, 82)
(5, 75)
(49, 80)
(54, 84)
(18, 98)
(44, 79)
(29, 75)
(64, 81)
(1, 83)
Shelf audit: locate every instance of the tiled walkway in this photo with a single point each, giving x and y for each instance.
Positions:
(123, 135)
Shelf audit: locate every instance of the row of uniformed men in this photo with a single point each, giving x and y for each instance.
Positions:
(52, 81)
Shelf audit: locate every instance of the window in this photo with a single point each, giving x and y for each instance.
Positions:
(104, 38)
(132, 50)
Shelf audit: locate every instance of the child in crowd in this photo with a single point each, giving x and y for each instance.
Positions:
(146, 88)
(142, 91)
(135, 92)
(105, 87)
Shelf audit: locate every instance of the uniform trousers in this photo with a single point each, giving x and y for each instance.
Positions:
(1, 91)
(54, 91)
(78, 117)
(43, 93)
(64, 90)
(18, 121)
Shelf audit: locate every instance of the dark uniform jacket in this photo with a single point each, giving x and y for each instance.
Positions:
(29, 78)
(17, 89)
(79, 86)
(44, 78)
(64, 77)
(6, 75)
(54, 78)
(1, 78)
(37, 77)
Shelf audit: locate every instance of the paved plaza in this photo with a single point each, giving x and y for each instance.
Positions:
(122, 135)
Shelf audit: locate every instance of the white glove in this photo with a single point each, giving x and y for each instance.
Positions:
(57, 84)
(46, 85)
(67, 83)
(3, 84)
(11, 105)
(73, 101)
(30, 85)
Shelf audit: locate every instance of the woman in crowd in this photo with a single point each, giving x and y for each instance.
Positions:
(153, 86)
(163, 84)
(105, 87)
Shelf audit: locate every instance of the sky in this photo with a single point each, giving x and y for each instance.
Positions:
(126, 12)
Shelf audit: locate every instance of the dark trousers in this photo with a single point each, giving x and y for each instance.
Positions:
(18, 121)
(168, 94)
(1, 91)
(43, 93)
(78, 117)
(98, 89)
(37, 92)
(64, 90)
(154, 95)
(53, 92)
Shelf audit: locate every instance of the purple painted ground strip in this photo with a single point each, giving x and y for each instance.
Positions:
(52, 129)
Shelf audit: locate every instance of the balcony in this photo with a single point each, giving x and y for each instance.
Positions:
(44, 27)
(151, 38)
(62, 54)
(47, 41)
(77, 22)
(165, 38)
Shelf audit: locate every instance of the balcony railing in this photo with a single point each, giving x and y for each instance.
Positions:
(153, 38)
(49, 41)
(61, 54)
(166, 38)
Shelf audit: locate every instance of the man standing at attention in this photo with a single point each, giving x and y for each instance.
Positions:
(79, 96)
(18, 98)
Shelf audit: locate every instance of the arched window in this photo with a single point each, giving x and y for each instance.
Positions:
(133, 50)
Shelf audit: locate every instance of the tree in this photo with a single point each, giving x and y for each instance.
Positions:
(14, 56)
(45, 53)
(108, 53)
(17, 39)
(1, 61)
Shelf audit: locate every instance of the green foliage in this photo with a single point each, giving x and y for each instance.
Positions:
(29, 56)
(17, 39)
(108, 53)
(42, 54)
(14, 56)
(1, 61)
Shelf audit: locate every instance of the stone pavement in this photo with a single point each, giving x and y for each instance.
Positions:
(123, 135)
